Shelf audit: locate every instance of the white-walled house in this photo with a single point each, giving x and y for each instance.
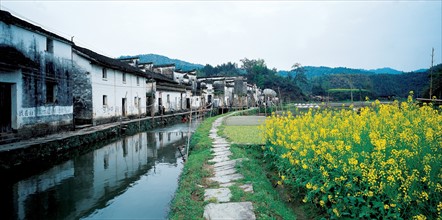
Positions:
(171, 96)
(107, 89)
(35, 79)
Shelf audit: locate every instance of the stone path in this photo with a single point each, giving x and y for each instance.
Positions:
(225, 175)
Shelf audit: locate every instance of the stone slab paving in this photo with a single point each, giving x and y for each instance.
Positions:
(225, 175)
(222, 168)
(226, 153)
(247, 187)
(220, 145)
(225, 172)
(219, 159)
(232, 210)
(226, 178)
(219, 195)
(221, 150)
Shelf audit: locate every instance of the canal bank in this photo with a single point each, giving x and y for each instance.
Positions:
(29, 156)
(131, 177)
(250, 191)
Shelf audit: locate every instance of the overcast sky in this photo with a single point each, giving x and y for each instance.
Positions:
(355, 34)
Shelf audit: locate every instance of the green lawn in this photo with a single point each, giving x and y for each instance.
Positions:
(244, 134)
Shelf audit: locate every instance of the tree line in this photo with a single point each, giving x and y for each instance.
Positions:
(297, 84)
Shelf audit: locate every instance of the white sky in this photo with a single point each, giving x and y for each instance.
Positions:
(355, 34)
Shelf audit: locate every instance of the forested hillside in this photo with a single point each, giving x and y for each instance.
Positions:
(312, 83)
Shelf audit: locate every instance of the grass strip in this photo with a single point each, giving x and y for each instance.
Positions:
(244, 134)
(188, 202)
(267, 202)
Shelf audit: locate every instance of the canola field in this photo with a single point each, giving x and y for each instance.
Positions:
(383, 161)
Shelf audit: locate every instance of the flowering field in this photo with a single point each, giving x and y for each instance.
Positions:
(384, 161)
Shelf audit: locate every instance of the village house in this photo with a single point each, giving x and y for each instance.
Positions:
(188, 78)
(253, 94)
(107, 89)
(219, 90)
(35, 79)
(168, 95)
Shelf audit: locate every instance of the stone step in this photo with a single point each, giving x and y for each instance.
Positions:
(222, 153)
(216, 145)
(224, 163)
(226, 178)
(220, 149)
(225, 172)
(231, 210)
(218, 159)
(219, 195)
(222, 168)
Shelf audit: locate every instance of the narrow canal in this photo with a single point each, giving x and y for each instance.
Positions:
(134, 177)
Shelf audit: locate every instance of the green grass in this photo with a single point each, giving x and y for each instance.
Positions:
(188, 202)
(267, 201)
(244, 134)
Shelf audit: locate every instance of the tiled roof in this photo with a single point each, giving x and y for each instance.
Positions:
(164, 65)
(107, 61)
(117, 64)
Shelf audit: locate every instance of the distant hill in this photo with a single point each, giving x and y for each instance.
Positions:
(385, 70)
(312, 71)
(160, 59)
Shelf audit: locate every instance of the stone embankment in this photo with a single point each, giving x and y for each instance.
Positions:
(225, 175)
(37, 153)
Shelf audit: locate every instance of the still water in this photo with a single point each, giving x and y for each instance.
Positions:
(133, 177)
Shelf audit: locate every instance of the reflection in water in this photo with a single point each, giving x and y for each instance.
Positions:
(134, 177)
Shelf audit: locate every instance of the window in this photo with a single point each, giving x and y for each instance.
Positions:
(49, 45)
(104, 100)
(51, 92)
(138, 80)
(168, 98)
(124, 77)
(104, 73)
(136, 101)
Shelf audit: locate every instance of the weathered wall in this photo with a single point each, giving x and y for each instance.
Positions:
(35, 109)
(82, 92)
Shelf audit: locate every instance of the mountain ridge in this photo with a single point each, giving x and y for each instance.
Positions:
(310, 71)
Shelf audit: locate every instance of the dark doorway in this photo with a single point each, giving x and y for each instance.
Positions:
(209, 99)
(124, 107)
(6, 105)
(188, 103)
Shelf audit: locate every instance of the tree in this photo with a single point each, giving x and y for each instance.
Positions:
(300, 77)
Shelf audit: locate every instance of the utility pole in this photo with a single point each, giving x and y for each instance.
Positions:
(431, 73)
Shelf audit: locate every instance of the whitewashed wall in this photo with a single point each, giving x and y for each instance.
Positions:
(174, 103)
(115, 90)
